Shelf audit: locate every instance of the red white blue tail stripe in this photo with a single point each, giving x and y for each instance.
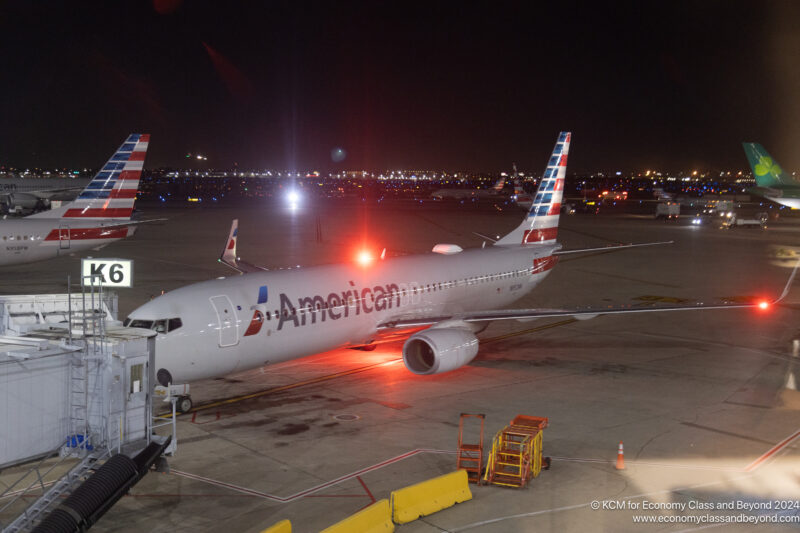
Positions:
(541, 224)
(112, 192)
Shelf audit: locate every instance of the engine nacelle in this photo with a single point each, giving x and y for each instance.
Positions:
(20, 202)
(438, 350)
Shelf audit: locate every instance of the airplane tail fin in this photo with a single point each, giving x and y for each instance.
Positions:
(112, 191)
(541, 223)
(499, 184)
(766, 170)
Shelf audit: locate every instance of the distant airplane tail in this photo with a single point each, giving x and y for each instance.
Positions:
(766, 170)
(499, 184)
(112, 192)
(661, 194)
(541, 223)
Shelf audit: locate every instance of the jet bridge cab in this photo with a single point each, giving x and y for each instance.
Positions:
(163, 326)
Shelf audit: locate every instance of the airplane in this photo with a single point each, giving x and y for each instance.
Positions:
(522, 198)
(771, 181)
(463, 194)
(213, 328)
(100, 215)
(20, 195)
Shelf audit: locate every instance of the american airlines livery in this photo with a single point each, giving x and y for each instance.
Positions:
(216, 327)
(100, 215)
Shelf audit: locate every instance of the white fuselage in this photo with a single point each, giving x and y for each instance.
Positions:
(27, 240)
(311, 310)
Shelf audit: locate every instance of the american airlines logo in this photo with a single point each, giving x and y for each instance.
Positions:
(340, 305)
(336, 305)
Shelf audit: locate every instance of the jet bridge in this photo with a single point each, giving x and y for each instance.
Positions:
(76, 390)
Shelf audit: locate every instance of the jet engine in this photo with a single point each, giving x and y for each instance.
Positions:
(438, 350)
(20, 202)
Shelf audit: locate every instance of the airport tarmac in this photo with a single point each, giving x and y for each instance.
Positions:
(706, 402)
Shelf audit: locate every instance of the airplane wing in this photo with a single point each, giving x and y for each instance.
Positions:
(611, 247)
(578, 313)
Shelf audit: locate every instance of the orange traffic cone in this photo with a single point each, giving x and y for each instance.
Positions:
(620, 458)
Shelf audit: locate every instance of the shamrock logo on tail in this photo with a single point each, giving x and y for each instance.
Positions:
(767, 166)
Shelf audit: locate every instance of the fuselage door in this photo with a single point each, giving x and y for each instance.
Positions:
(228, 324)
(63, 237)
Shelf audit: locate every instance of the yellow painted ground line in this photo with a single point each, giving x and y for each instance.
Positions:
(282, 388)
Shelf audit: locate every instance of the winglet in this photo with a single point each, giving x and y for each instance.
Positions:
(229, 257)
(788, 283)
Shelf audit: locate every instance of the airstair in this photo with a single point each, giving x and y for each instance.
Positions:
(516, 454)
(470, 456)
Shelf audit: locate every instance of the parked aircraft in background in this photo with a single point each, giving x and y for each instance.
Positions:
(522, 198)
(23, 196)
(772, 182)
(464, 194)
(217, 327)
(100, 215)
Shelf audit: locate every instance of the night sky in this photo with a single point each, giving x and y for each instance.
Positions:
(429, 85)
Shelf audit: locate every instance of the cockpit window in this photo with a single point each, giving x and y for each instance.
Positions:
(159, 326)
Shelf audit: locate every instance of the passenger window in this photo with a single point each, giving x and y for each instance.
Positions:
(174, 323)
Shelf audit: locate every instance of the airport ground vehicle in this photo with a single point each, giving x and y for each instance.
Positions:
(668, 210)
(732, 220)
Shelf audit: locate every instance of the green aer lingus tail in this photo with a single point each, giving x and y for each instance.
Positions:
(771, 181)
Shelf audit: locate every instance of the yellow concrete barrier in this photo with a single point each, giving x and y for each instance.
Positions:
(425, 498)
(377, 518)
(284, 526)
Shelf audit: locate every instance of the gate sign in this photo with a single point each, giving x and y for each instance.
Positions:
(108, 272)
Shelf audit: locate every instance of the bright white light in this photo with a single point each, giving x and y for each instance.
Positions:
(364, 258)
(293, 197)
